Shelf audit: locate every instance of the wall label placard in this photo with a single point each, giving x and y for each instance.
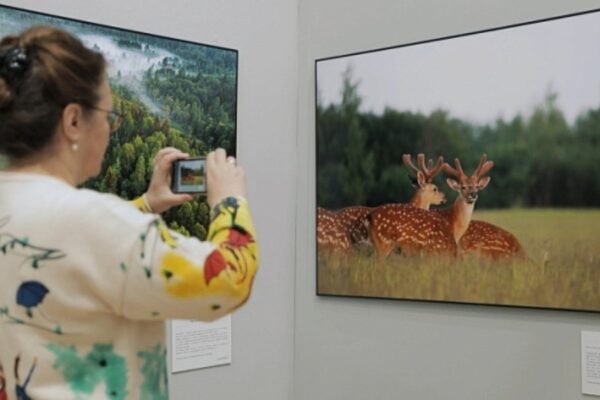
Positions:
(590, 363)
(196, 344)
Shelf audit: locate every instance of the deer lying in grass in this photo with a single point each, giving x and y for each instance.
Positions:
(490, 241)
(354, 218)
(414, 230)
(479, 237)
(353, 221)
(468, 187)
(410, 230)
(331, 234)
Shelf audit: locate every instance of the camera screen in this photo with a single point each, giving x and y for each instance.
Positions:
(189, 176)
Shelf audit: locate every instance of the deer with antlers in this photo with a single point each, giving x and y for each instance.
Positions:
(480, 237)
(354, 218)
(427, 192)
(468, 188)
(413, 230)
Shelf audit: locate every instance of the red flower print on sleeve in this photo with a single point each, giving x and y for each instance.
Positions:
(238, 239)
(215, 263)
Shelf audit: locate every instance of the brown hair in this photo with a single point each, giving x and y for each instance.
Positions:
(57, 69)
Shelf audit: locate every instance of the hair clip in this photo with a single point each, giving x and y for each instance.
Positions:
(13, 62)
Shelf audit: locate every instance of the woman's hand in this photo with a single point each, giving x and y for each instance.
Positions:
(224, 177)
(159, 195)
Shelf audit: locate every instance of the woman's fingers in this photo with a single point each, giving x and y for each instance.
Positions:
(220, 156)
(224, 177)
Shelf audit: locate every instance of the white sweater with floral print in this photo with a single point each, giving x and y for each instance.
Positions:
(87, 281)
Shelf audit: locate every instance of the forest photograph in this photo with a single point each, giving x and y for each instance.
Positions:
(170, 93)
(464, 169)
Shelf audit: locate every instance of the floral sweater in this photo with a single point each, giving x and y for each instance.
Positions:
(87, 281)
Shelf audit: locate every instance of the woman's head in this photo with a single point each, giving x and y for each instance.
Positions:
(52, 85)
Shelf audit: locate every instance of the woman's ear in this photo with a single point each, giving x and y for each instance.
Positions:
(72, 119)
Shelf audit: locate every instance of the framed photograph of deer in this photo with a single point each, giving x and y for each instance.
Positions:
(464, 169)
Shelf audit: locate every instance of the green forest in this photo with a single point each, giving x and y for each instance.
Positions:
(539, 159)
(128, 163)
(200, 104)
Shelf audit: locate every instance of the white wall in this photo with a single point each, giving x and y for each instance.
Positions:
(349, 348)
(265, 33)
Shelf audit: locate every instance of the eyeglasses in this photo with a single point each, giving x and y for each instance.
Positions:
(115, 119)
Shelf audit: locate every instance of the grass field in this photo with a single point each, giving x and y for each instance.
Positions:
(192, 180)
(563, 270)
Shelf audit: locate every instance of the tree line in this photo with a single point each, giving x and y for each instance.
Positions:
(128, 163)
(204, 105)
(540, 160)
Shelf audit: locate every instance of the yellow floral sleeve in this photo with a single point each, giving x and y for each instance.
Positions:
(187, 278)
(229, 269)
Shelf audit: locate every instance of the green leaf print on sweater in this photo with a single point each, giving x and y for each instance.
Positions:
(11, 244)
(101, 365)
(154, 371)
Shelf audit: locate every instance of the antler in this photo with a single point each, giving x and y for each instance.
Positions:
(433, 171)
(458, 172)
(408, 162)
(430, 172)
(483, 167)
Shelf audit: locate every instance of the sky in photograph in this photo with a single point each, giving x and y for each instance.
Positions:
(479, 77)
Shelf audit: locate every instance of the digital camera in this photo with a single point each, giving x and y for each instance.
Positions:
(189, 176)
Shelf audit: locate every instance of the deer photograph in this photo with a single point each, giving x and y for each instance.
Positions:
(512, 218)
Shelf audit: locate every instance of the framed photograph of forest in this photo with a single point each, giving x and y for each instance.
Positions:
(464, 169)
(171, 92)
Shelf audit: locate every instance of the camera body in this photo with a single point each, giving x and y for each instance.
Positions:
(189, 176)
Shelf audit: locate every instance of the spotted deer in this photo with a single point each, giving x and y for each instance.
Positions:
(331, 233)
(490, 241)
(427, 192)
(409, 229)
(354, 218)
(485, 239)
(413, 230)
(474, 236)
(468, 188)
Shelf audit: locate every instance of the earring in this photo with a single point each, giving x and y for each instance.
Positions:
(75, 146)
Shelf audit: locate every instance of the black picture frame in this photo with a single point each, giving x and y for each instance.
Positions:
(355, 167)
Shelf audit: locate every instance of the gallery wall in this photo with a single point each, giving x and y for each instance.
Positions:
(352, 348)
(265, 33)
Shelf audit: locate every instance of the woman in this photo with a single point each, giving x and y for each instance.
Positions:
(86, 279)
